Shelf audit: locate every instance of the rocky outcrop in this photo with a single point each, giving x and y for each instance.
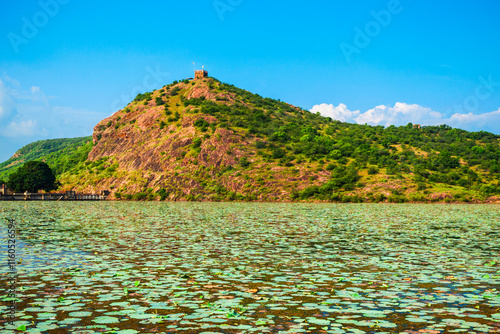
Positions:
(154, 143)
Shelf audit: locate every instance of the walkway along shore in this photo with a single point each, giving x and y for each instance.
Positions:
(66, 196)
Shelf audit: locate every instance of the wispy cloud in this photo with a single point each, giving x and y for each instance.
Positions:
(28, 114)
(7, 104)
(403, 113)
(489, 120)
(26, 128)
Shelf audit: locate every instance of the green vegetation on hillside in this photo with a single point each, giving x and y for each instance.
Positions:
(291, 150)
(60, 154)
(207, 140)
(432, 155)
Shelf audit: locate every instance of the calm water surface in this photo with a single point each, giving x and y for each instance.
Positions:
(135, 267)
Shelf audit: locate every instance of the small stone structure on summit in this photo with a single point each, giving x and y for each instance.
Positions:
(200, 74)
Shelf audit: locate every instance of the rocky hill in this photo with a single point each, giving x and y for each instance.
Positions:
(195, 139)
(203, 139)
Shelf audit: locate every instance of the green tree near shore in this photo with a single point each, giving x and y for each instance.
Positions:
(32, 176)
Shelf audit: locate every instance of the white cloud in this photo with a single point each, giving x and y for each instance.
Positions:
(12, 123)
(7, 104)
(400, 114)
(28, 112)
(27, 115)
(340, 113)
(403, 113)
(479, 121)
(11, 82)
(38, 96)
(26, 128)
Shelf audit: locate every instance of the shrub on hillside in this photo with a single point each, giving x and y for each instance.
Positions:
(260, 144)
(145, 96)
(373, 170)
(197, 142)
(175, 91)
(244, 162)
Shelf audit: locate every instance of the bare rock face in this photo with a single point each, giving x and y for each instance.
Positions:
(162, 140)
(154, 144)
(440, 196)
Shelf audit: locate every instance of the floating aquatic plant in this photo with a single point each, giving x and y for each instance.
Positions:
(254, 267)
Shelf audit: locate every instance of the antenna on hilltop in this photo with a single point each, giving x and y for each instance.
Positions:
(194, 65)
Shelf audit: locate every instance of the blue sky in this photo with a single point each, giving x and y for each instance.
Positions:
(66, 64)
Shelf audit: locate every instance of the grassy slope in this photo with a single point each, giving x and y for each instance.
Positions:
(60, 154)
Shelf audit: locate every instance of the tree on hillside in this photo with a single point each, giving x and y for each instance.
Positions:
(32, 176)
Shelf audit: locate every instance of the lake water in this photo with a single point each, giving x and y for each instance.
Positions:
(142, 267)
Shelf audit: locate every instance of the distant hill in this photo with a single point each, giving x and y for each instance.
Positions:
(61, 154)
(203, 139)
